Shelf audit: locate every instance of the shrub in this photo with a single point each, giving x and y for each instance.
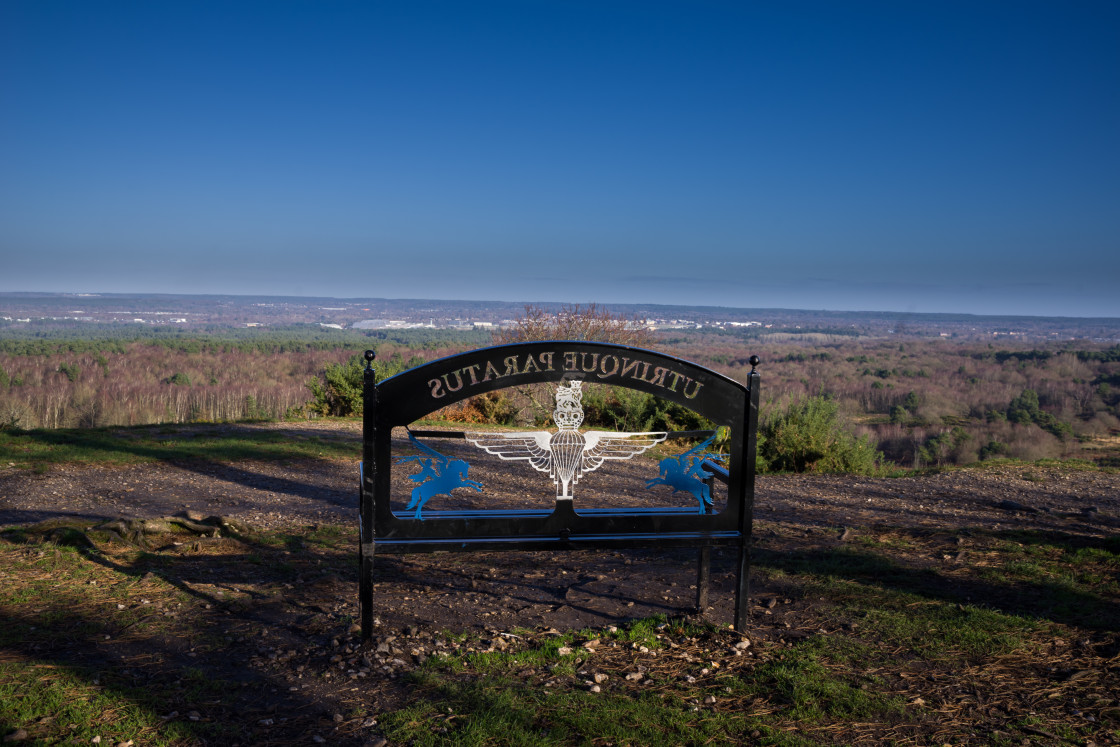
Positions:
(629, 410)
(340, 391)
(944, 446)
(1025, 410)
(808, 437)
(492, 408)
(71, 370)
(993, 450)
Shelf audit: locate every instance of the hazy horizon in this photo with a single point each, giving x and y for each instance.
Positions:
(540, 302)
(945, 158)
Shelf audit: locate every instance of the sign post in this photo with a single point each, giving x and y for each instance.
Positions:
(563, 456)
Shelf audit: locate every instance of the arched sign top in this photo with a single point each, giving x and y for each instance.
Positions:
(419, 391)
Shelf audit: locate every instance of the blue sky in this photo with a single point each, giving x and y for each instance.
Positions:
(905, 156)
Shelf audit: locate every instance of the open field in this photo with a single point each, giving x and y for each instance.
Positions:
(972, 606)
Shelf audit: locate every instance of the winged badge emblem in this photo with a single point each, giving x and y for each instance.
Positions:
(567, 454)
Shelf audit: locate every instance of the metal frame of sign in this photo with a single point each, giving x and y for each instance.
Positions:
(408, 396)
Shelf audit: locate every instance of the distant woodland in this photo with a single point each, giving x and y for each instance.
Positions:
(923, 401)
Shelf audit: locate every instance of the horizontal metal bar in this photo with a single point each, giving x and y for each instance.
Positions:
(529, 513)
(719, 471)
(463, 434)
(437, 434)
(571, 542)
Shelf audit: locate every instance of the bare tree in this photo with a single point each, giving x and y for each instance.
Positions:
(592, 323)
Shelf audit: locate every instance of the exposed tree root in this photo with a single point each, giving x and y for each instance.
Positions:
(135, 531)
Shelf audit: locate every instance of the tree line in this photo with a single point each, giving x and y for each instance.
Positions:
(868, 402)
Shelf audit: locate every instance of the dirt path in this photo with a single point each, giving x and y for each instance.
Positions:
(274, 494)
(574, 589)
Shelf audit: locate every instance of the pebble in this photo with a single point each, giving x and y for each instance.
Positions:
(595, 689)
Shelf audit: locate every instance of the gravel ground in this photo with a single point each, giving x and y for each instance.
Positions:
(274, 494)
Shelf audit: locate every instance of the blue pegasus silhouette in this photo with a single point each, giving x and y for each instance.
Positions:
(686, 473)
(438, 475)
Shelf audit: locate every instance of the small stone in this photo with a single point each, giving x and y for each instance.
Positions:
(595, 689)
(743, 644)
(338, 718)
(710, 700)
(355, 629)
(318, 739)
(194, 716)
(563, 651)
(96, 740)
(599, 678)
(265, 722)
(369, 722)
(634, 676)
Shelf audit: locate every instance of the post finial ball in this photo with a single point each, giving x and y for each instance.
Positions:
(754, 360)
(370, 355)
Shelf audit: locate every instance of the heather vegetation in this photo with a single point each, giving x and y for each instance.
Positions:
(928, 403)
(140, 383)
(831, 402)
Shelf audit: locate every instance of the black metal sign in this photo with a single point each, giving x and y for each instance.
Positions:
(565, 454)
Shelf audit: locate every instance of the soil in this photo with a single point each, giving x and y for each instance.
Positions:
(489, 594)
(275, 495)
(268, 495)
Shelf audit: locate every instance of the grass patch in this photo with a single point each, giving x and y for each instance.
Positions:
(38, 449)
(867, 642)
(61, 704)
